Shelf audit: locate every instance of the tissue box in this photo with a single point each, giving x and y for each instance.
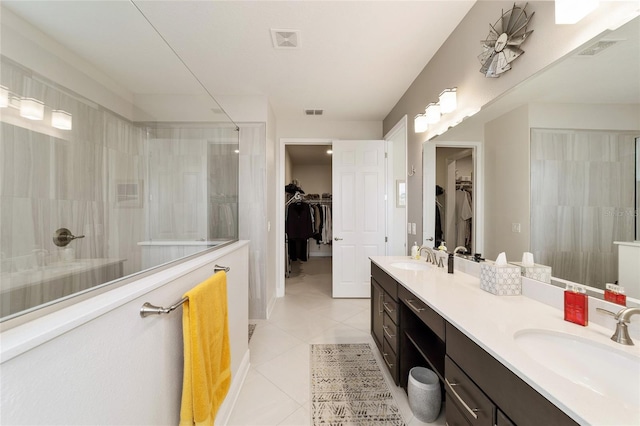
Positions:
(536, 272)
(500, 280)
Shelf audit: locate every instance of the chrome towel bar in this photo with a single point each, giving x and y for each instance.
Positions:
(149, 309)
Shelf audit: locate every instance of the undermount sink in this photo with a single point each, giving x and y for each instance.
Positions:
(411, 266)
(594, 366)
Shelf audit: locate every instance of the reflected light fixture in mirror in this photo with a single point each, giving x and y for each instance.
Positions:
(4, 97)
(572, 11)
(432, 113)
(420, 123)
(61, 119)
(32, 109)
(447, 100)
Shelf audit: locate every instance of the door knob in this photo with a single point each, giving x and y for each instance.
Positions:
(429, 239)
(338, 239)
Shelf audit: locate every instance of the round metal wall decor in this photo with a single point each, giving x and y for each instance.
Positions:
(502, 45)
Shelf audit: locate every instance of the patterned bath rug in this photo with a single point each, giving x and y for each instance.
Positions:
(252, 328)
(347, 388)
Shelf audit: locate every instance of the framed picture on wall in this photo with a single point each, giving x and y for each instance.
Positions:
(401, 193)
(129, 193)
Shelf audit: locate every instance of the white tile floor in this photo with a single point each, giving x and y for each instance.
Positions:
(277, 389)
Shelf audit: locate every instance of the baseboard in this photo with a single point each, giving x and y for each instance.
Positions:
(225, 410)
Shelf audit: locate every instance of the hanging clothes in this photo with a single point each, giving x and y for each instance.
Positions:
(299, 228)
(464, 213)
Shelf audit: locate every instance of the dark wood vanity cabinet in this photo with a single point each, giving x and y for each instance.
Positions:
(514, 401)
(478, 389)
(385, 317)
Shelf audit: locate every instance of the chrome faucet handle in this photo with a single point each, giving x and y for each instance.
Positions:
(621, 335)
(431, 257)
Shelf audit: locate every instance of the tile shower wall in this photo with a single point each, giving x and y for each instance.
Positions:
(54, 178)
(193, 183)
(582, 199)
(116, 182)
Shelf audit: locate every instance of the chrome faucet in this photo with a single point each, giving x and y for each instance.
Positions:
(431, 256)
(462, 249)
(621, 335)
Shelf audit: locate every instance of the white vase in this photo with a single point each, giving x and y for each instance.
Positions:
(424, 394)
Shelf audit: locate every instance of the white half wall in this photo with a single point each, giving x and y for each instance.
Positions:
(99, 362)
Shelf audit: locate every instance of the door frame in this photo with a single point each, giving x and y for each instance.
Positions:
(399, 128)
(280, 200)
(478, 187)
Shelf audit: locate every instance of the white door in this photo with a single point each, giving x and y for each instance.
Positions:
(358, 181)
(451, 234)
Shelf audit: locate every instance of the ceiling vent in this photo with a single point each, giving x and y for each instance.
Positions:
(313, 111)
(285, 39)
(598, 47)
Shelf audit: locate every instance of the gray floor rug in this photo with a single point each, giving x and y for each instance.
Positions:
(347, 388)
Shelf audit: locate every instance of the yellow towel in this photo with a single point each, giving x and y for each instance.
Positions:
(207, 355)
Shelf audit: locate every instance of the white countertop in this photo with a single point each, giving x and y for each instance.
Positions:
(491, 322)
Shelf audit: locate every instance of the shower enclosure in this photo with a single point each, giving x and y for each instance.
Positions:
(138, 186)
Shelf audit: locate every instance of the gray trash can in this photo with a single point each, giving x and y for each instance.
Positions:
(423, 390)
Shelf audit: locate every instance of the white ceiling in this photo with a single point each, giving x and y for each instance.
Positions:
(356, 58)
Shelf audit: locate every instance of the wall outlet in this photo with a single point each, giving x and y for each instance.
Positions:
(515, 227)
(413, 228)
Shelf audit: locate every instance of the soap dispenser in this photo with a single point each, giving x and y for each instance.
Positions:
(415, 251)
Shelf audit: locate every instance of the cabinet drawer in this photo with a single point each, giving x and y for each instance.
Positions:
(453, 414)
(390, 331)
(390, 307)
(472, 402)
(385, 281)
(390, 358)
(427, 315)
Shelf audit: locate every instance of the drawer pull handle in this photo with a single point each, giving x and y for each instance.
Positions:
(414, 307)
(471, 411)
(386, 331)
(384, 355)
(387, 307)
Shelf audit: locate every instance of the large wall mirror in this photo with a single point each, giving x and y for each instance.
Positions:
(568, 141)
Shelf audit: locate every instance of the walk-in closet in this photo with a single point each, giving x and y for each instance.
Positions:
(454, 198)
(308, 212)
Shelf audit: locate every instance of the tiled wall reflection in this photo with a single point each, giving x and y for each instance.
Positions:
(582, 200)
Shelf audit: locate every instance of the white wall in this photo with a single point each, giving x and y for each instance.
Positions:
(313, 178)
(507, 184)
(310, 128)
(99, 362)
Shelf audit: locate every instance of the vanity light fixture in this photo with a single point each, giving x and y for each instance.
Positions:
(61, 119)
(572, 11)
(448, 101)
(432, 113)
(4, 97)
(420, 123)
(32, 109)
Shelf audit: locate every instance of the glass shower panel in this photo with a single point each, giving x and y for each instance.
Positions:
(139, 180)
